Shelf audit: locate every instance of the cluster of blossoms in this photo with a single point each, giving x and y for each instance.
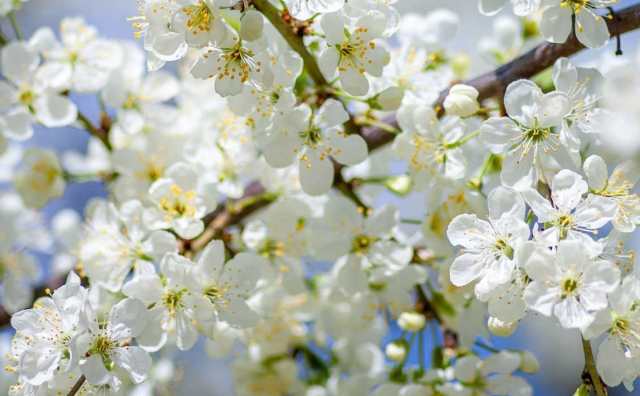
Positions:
(262, 199)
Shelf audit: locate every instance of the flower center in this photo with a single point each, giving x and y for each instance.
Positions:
(361, 244)
(199, 17)
(564, 223)
(27, 97)
(179, 203)
(575, 5)
(272, 249)
(172, 300)
(102, 346)
(238, 63)
(353, 51)
(569, 287)
(503, 247)
(311, 136)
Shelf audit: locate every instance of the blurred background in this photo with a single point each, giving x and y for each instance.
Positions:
(559, 351)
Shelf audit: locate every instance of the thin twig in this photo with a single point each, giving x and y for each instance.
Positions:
(15, 25)
(99, 133)
(77, 386)
(590, 368)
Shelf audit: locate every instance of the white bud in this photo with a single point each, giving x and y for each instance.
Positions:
(411, 321)
(462, 100)
(251, 25)
(529, 363)
(391, 98)
(396, 351)
(500, 328)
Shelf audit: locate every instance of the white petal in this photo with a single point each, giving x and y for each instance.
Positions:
(554, 106)
(596, 171)
(333, 25)
(469, 231)
(328, 62)
(186, 334)
(169, 46)
(519, 97)
(134, 360)
(540, 206)
(491, 7)
(238, 314)
(332, 113)
(571, 314)
(565, 75)
(567, 189)
(354, 82)
(94, 370)
(212, 259)
(316, 173)
(611, 361)
(591, 29)
(159, 86)
(499, 133)
(127, 319)
(519, 171)
(505, 201)
(525, 7)
(349, 149)
(19, 62)
(541, 298)
(17, 125)
(54, 110)
(555, 24)
(38, 365)
(281, 151)
(466, 268)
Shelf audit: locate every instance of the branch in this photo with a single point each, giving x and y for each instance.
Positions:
(495, 82)
(231, 213)
(590, 369)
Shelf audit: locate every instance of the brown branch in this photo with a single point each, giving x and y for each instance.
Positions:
(233, 212)
(495, 82)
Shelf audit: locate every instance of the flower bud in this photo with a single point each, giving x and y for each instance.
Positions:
(529, 363)
(411, 321)
(251, 25)
(462, 100)
(500, 328)
(400, 185)
(396, 351)
(390, 99)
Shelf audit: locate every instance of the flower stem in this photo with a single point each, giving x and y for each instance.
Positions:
(463, 140)
(95, 131)
(15, 26)
(590, 367)
(367, 121)
(77, 386)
